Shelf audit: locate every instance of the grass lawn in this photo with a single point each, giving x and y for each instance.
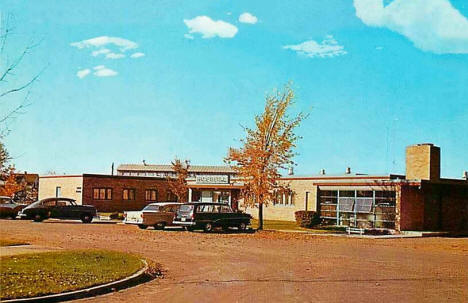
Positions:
(291, 225)
(9, 242)
(55, 272)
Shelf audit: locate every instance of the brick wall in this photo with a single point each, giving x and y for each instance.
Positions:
(409, 208)
(118, 184)
(433, 207)
(422, 162)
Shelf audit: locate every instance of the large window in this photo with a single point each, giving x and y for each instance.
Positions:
(128, 194)
(284, 197)
(151, 195)
(360, 208)
(102, 193)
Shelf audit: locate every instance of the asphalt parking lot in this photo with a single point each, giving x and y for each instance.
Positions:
(269, 266)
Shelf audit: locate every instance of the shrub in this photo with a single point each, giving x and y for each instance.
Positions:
(307, 218)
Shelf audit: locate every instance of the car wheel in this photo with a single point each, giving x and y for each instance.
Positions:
(142, 226)
(86, 218)
(208, 227)
(160, 226)
(242, 227)
(188, 228)
(38, 218)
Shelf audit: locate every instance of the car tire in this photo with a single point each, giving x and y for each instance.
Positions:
(208, 227)
(38, 218)
(142, 226)
(85, 218)
(160, 226)
(242, 227)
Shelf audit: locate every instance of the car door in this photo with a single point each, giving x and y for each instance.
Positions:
(51, 208)
(67, 209)
(227, 215)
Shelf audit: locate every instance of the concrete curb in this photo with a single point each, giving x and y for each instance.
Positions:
(91, 291)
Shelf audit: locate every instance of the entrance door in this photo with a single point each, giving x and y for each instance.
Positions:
(206, 196)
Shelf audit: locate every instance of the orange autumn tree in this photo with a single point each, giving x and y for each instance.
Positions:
(178, 185)
(267, 148)
(11, 185)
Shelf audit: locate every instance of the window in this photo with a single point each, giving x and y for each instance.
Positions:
(58, 191)
(171, 197)
(51, 202)
(152, 207)
(226, 209)
(128, 194)
(283, 197)
(65, 203)
(102, 193)
(151, 195)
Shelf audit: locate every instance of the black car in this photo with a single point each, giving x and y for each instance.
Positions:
(60, 208)
(207, 216)
(9, 208)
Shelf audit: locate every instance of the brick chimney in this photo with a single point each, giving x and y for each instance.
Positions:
(423, 162)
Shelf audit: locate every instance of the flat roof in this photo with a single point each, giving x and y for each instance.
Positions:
(168, 168)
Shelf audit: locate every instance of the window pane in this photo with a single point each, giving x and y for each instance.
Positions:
(132, 194)
(102, 193)
(109, 194)
(346, 193)
(125, 194)
(96, 193)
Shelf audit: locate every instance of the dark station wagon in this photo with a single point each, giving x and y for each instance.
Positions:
(60, 208)
(208, 216)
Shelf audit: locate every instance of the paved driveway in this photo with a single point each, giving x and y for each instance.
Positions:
(271, 267)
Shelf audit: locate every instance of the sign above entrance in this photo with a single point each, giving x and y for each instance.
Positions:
(212, 179)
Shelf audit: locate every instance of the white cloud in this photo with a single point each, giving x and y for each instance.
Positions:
(121, 43)
(248, 18)
(114, 56)
(102, 71)
(83, 73)
(209, 28)
(327, 48)
(137, 55)
(100, 52)
(432, 25)
(188, 36)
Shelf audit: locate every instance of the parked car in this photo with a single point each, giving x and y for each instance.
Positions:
(60, 208)
(158, 215)
(208, 216)
(9, 208)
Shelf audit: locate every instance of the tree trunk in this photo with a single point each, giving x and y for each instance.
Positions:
(260, 216)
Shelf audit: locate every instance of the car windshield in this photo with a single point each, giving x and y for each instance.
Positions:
(186, 208)
(152, 207)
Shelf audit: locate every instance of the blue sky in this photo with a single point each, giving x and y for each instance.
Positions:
(374, 75)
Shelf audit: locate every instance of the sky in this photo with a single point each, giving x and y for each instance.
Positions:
(126, 81)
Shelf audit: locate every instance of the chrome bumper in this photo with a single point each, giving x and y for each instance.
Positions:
(183, 223)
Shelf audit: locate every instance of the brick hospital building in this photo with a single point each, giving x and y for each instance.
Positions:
(418, 200)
